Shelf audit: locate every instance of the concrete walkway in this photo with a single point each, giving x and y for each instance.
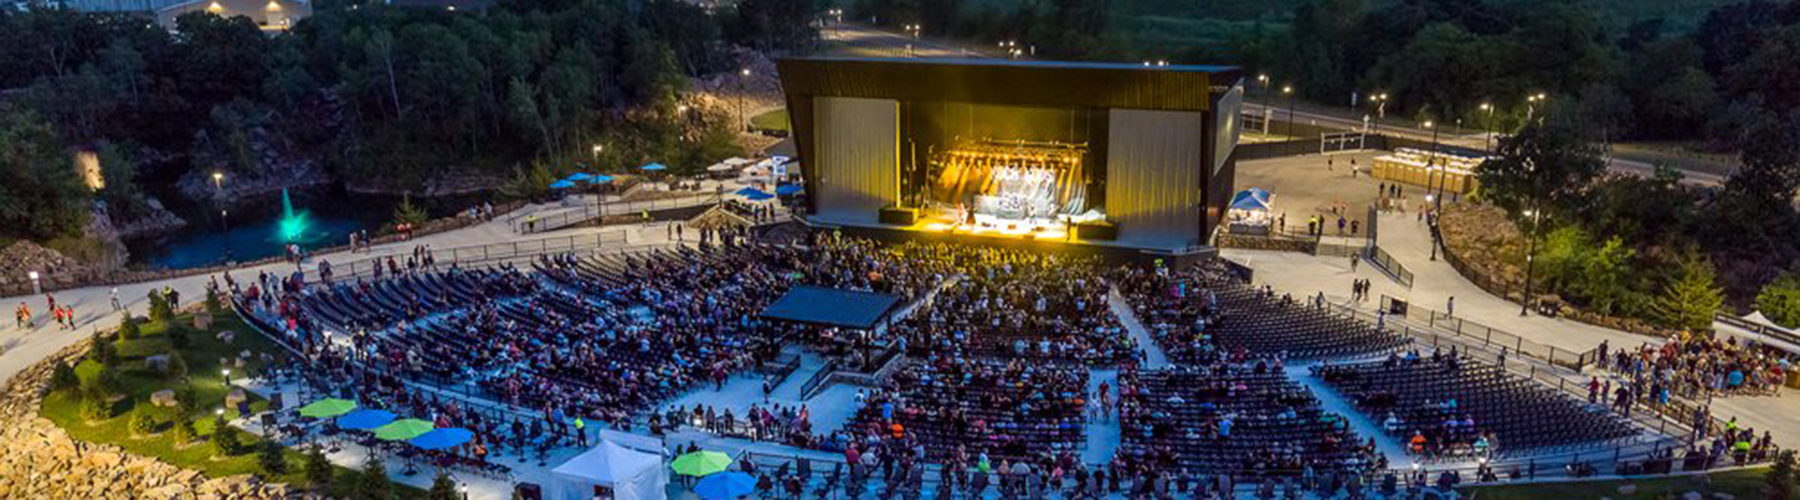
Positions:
(1154, 357)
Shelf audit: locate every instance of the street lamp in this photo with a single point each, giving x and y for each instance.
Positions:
(1431, 164)
(226, 373)
(218, 178)
(1536, 215)
(1487, 127)
(1380, 111)
(1531, 104)
(743, 80)
(35, 288)
(1288, 90)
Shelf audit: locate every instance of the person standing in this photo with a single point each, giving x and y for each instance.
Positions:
(115, 299)
(1450, 307)
(1353, 262)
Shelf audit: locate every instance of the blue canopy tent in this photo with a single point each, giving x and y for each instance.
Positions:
(653, 167)
(788, 189)
(758, 196)
(562, 184)
(365, 419)
(747, 191)
(438, 439)
(1248, 200)
(599, 179)
(725, 485)
(579, 176)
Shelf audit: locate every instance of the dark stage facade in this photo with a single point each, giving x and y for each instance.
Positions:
(1120, 155)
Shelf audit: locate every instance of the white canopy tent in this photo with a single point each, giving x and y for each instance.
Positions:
(631, 474)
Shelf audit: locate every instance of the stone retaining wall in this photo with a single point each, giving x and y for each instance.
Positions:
(40, 460)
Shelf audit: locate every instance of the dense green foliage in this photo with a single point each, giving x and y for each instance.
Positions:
(375, 93)
(1780, 301)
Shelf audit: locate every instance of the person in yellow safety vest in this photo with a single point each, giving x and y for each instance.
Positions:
(581, 431)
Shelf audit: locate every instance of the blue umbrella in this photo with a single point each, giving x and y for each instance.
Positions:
(758, 196)
(787, 189)
(579, 176)
(652, 167)
(365, 419)
(438, 439)
(562, 184)
(725, 485)
(599, 179)
(749, 191)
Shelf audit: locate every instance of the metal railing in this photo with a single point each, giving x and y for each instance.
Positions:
(818, 380)
(1385, 262)
(1762, 330)
(589, 212)
(1489, 336)
(485, 253)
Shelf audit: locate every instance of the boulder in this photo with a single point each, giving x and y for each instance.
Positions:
(1628, 489)
(226, 336)
(158, 362)
(203, 320)
(164, 398)
(234, 397)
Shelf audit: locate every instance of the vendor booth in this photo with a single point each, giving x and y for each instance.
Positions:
(611, 470)
(1250, 211)
(1428, 169)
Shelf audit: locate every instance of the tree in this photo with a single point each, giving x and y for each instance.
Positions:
(176, 368)
(142, 423)
(161, 312)
(1780, 300)
(182, 430)
(101, 350)
(270, 459)
(408, 213)
(1778, 484)
(1690, 301)
(372, 483)
(128, 328)
(177, 334)
(224, 438)
(62, 377)
(40, 195)
(318, 469)
(94, 405)
(1544, 165)
(442, 488)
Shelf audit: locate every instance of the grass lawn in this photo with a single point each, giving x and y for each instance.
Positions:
(202, 357)
(772, 120)
(1744, 483)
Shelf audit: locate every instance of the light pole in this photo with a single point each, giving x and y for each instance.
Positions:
(36, 289)
(1487, 127)
(743, 80)
(218, 178)
(1264, 80)
(1438, 203)
(1531, 105)
(1536, 215)
(1380, 111)
(1288, 90)
(226, 374)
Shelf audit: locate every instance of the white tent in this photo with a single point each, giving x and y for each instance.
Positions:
(629, 473)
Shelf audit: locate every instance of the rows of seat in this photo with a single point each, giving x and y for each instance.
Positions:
(1238, 418)
(1437, 397)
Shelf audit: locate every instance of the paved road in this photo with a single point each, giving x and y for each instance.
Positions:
(1473, 141)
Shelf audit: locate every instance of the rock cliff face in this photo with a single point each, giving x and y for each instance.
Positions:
(156, 219)
(21, 258)
(39, 460)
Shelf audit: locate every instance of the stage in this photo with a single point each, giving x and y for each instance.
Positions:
(1116, 158)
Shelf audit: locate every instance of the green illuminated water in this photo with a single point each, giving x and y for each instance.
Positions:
(292, 225)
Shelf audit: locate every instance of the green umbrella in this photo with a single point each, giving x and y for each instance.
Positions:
(401, 430)
(701, 463)
(327, 408)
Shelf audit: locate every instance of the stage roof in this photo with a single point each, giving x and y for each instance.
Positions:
(832, 306)
(1008, 82)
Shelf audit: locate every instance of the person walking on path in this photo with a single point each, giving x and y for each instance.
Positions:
(1450, 307)
(115, 299)
(22, 316)
(1353, 262)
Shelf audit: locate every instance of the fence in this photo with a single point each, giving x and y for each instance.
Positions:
(1489, 336)
(50, 280)
(1385, 262)
(1761, 330)
(590, 212)
(491, 252)
(818, 380)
